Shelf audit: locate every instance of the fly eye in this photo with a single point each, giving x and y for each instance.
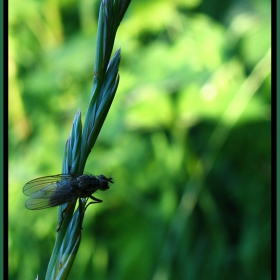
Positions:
(104, 185)
(104, 182)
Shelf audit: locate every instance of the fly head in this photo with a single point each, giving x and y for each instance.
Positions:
(104, 182)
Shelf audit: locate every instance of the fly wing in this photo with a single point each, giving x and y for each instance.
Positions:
(49, 191)
(52, 195)
(35, 185)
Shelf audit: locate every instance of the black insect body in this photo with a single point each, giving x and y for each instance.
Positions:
(58, 189)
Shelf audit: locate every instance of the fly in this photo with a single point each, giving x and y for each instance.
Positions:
(55, 190)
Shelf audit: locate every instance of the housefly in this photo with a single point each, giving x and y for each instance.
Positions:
(55, 190)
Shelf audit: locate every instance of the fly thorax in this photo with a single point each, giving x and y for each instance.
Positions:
(87, 184)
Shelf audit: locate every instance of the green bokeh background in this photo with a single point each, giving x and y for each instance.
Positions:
(187, 139)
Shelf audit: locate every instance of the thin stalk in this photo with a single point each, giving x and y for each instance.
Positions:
(81, 141)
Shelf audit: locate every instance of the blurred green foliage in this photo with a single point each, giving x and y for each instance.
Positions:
(187, 139)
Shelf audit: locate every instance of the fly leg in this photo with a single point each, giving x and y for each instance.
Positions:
(96, 200)
(63, 214)
(82, 212)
